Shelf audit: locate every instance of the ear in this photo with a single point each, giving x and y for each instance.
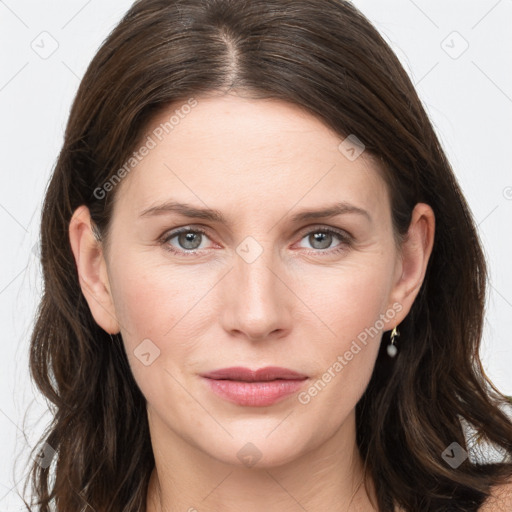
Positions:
(92, 270)
(413, 259)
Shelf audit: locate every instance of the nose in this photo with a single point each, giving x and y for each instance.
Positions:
(257, 299)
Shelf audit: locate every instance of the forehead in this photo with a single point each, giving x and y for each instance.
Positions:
(230, 149)
(232, 127)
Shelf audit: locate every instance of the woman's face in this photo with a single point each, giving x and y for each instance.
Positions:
(266, 281)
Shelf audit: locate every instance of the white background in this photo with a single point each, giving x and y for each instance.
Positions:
(469, 100)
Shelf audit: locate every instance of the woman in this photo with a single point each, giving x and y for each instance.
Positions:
(263, 287)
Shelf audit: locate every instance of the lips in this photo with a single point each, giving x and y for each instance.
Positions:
(241, 374)
(261, 388)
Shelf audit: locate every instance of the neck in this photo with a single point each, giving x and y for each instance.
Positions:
(329, 477)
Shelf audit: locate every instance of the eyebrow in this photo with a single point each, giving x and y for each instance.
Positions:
(213, 215)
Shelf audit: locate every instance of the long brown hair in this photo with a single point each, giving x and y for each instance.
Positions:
(326, 57)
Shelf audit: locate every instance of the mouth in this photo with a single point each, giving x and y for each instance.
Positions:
(241, 374)
(262, 387)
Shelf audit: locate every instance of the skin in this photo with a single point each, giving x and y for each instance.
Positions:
(298, 305)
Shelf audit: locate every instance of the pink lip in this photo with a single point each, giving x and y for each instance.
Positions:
(254, 388)
(245, 374)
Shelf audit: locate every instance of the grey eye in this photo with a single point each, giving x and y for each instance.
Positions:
(189, 239)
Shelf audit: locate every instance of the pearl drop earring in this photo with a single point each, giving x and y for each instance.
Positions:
(391, 348)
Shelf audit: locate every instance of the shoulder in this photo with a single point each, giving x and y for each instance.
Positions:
(500, 499)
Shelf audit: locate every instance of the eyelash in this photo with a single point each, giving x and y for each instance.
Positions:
(344, 238)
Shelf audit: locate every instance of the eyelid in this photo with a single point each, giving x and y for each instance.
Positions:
(323, 227)
(344, 236)
(172, 233)
(302, 232)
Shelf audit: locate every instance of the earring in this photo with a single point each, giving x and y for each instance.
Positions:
(391, 348)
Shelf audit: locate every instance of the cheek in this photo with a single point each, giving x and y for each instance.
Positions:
(161, 313)
(347, 299)
(351, 310)
(154, 300)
